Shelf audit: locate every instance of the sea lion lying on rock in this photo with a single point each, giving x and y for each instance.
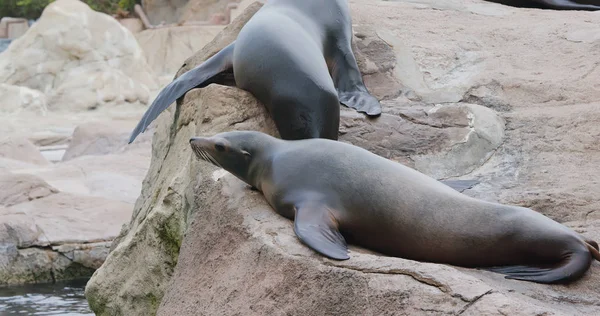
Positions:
(336, 191)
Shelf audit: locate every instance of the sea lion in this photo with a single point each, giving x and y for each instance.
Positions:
(584, 5)
(296, 58)
(395, 210)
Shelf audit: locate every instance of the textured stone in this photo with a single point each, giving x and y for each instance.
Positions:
(167, 48)
(18, 148)
(19, 188)
(15, 99)
(79, 58)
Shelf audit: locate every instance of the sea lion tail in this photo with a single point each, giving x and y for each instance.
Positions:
(216, 69)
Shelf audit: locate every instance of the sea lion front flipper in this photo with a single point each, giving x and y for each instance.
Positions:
(460, 185)
(317, 228)
(217, 69)
(349, 84)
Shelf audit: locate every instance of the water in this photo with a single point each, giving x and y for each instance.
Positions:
(61, 298)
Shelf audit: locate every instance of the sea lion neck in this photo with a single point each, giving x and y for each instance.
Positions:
(262, 162)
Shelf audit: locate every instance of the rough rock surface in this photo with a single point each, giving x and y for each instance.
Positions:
(19, 188)
(167, 11)
(16, 99)
(477, 98)
(81, 59)
(174, 11)
(56, 236)
(167, 48)
(102, 138)
(57, 220)
(18, 148)
(134, 25)
(201, 10)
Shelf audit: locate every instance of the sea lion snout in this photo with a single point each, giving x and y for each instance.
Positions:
(198, 141)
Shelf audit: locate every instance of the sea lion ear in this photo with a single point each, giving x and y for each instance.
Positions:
(247, 154)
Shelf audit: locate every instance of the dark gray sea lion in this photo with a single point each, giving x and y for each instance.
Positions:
(586, 5)
(335, 191)
(296, 58)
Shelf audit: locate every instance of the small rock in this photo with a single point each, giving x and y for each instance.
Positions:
(19, 188)
(18, 148)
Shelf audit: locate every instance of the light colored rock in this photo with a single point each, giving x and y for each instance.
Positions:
(13, 27)
(20, 149)
(7, 165)
(167, 48)
(102, 138)
(167, 11)
(114, 177)
(134, 25)
(59, 137)
(180, 11)
(239, 257)
(79, 58)
(202, 10)
(19, 188)
(241, 6)
(14, 99)
(59, 236)
(67, 218)
(36, 265)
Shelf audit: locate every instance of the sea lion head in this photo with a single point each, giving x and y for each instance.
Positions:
(239, 152)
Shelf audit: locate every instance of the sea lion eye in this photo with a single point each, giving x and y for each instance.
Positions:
(219, 147)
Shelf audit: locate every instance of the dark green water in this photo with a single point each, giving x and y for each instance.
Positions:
(61, 298)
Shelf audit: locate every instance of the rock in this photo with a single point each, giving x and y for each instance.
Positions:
(19, 188)
(7, 165)
(102, 138)
(67, 218)
(16, 99)
(202, 10)
(241, 6)
(134, 25)
(79, 58)
(239, 257)
(180, 11)
(56, 237)
(114, 177)
(43, 265)
(167, 11)
(13, 27)
(52, 137)
(167, 48)
(20, 149)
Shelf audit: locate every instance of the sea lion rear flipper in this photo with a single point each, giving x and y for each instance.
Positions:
(217, 69)
(571, 268)
(317, 228)
(349, 84)
(460, 185)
